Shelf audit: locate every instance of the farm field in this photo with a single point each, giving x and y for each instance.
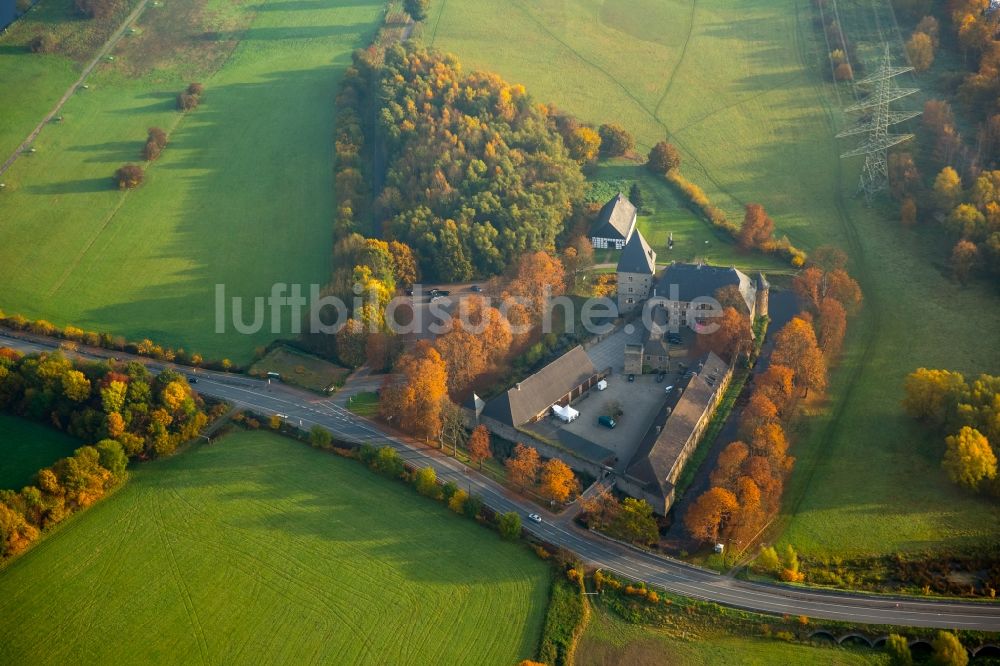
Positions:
(241, 196)
(609, 640)
(743, 96)
(26, 447)
(261, 548)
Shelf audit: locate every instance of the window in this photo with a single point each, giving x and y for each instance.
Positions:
(629, 278)
(630, 290)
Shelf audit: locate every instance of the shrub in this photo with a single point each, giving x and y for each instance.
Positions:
(42, 43)
(151, 150)
(662, 158)
(129, 177)
(99, 9)
(510, 525)
(615, 140)
(195, 89)
(417, 9)
(187, 101)
(563, 621)
(425, 481)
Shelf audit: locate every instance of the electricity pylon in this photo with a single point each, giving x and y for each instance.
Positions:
(876, 122)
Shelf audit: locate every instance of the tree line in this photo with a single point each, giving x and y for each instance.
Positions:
(145, 347)
(748, 479)
(949, 180)
(121, 406)
(968, 414)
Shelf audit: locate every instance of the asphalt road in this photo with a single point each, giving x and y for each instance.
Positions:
(301, 408)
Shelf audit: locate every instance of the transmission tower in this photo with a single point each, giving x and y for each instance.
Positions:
(875, 122)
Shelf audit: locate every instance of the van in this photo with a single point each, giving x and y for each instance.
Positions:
(607, 421)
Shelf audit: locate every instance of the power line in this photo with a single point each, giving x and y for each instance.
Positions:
(875, 122)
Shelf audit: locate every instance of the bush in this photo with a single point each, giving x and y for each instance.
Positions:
(187, 101)
(99, 9)
(129, 177)
(417, 9)
(195, 89)
(563, 621)
(510, 525)
(151, 150)
(42, 43)
(662, 158)
(425, 481)
(615, 140)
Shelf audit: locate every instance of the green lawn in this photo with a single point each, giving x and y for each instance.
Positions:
(741, 93)
(609, 640)
(303, 370)
(364, 404)
(260, 549)
(241, 197)
(26, 447)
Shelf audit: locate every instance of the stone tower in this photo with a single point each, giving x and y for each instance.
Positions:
(763, 291)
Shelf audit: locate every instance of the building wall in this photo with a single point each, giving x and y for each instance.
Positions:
(639, 284)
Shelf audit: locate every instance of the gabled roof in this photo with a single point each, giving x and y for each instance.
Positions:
(700, 280)
(538, 392)
(637, 256)
(615, 219)
(664, 442)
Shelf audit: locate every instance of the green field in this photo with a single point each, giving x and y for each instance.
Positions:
(26, 447)
(242, 196)
(260, 549)
(741, 92)
(300, 369)
(609, 640)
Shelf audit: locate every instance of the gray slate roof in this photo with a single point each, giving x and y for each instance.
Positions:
(637, 256)
(699, 280)
(659, 450)
(541, 390)
(615, 219)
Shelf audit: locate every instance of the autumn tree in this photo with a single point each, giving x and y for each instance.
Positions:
(463, 356)
(964, 256)
(577, 257)
(948, 650)
(947, 189)
(615, 140)
(707, 515)
(156, 141)
(777, 384)
(795, 346)
(129, 177)
(584, 144)
(932, 395)
(968, 458)
(522, 466)
(757, 227)
(557, 481)
(404, 264)
(732, 339)
(479, 445)
(351, 343)
(809, 286)
(898, 649)
(414, 396)
(920, 50)
(759, 411)
(537, 277)
(904, 177)
(843, 72)
(832, 326)
(729, 464)
(634, 521)
(663, 157)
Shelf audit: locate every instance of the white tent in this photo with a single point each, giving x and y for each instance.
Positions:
(566, 413)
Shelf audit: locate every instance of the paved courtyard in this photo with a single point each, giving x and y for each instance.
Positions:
(640, 401)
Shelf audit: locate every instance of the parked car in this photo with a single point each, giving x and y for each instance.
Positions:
(607, 421)
(669, 388)
(631, 378)
(660, 377)
(534, 517)
(476, 288)
(674, 339)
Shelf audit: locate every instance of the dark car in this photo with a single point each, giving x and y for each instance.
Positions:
(631, 378)
(674, 339)
(442, 292)
(476, 288)
(660, 377)
(192, 379)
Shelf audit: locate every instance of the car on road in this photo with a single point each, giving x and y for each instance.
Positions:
(475, 288)
(534, 517)
(192, 379)
(631, 378)
(669, 388)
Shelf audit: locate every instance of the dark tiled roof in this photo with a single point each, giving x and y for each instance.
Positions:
(615, 219)
(637, 256)
(542, 389)
(664, 441)
(699, 280)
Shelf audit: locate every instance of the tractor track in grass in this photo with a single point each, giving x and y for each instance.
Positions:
(680, 60)
(872, 315)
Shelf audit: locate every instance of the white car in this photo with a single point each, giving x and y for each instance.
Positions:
(534, 517)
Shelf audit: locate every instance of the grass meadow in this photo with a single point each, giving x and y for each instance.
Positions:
(609, 640)
(742, 94)
(26, 447)
(242, 195)
(258, 548)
